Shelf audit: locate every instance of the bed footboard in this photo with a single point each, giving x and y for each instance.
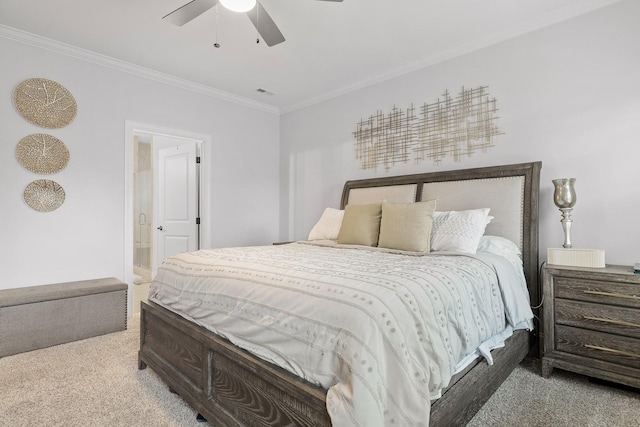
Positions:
(230, 387)
(225, 384)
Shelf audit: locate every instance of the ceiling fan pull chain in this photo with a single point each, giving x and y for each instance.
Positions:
(257, 24)
(216, 44)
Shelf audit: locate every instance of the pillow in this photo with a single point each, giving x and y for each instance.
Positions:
(458, 231)
(501, 246)
(328, 226)
(407, 226)
(498, 245)
(360, 225)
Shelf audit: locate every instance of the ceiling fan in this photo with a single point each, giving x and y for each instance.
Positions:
(267, 29)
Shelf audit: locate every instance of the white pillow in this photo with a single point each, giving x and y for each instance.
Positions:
(503, 247)
(458, 231)
(498, 245)
(328, 226)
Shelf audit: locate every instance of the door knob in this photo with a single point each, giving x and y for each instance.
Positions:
(160, 228)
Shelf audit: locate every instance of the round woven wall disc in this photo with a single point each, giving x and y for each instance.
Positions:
(42, 153)
(44, 195)
(45, 103)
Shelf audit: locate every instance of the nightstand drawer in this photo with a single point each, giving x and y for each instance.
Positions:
(622, 294)
(603, 318)
(597, 345)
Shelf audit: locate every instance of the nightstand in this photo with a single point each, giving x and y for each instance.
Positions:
(592, 322)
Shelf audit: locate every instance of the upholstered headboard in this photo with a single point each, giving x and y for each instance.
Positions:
(511, 192)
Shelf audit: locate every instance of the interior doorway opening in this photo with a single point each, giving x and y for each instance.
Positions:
(148, 200)
(142, 209)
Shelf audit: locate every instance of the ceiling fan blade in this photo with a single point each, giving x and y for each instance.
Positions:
(189, 11)
(267, 29)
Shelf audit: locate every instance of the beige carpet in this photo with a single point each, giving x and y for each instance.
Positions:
(95, 382)
(564, 399)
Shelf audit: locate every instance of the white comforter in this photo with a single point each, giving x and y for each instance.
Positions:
(382, 331)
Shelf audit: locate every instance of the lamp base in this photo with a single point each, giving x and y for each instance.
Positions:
(593, 258)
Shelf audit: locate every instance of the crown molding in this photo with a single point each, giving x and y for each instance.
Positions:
(455, 51)
(127, 67)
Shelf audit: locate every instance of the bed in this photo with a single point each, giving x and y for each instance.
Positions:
(229, 385)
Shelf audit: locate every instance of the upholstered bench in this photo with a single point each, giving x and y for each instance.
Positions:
(42, 316)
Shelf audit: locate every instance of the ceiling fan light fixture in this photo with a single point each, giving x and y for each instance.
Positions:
(239, 5)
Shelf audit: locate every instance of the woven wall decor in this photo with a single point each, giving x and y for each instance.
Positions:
(44, 195)
(45, 103)
(42, 153)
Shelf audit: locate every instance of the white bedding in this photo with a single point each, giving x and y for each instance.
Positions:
(381, 330)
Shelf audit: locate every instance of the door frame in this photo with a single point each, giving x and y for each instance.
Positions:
(132, 127)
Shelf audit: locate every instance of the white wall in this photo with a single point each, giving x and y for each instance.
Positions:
(84, 238)
(569, 95)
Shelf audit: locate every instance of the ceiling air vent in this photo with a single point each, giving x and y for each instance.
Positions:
(266, 92)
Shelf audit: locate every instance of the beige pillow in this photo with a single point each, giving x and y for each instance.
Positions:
(407, 226)
(360, 225)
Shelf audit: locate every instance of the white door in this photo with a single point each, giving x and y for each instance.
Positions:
(176, 192)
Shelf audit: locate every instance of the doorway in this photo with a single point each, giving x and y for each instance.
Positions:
(166, 201)
(142, 210)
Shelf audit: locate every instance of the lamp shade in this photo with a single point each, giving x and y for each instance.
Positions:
(564, 195)
(239, 5)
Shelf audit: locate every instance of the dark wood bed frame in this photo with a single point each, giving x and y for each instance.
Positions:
(231, 387)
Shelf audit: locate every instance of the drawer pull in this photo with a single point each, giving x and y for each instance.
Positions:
(615, 322)
(611, 350)
(611, 294)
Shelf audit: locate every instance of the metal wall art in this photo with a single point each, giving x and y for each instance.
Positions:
(45, 103)
(42, 153)
(44, 195)
(452, 127)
